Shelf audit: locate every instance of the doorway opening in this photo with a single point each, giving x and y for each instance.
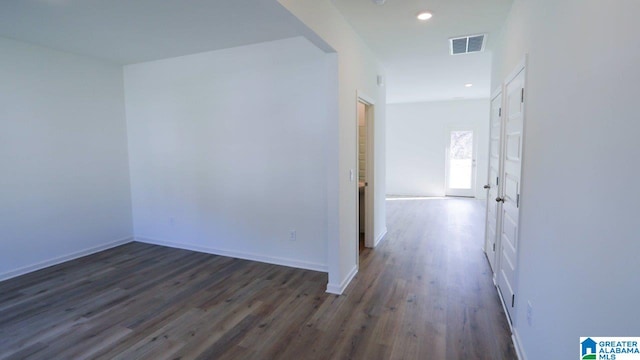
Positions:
(364, 171)
(460, 163)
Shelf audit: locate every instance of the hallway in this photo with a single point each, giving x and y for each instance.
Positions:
(430, 271)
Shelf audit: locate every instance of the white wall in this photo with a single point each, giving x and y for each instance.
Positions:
(579, 240)
(228, 151)
(64, 188)
(417, 138)
(357, 72)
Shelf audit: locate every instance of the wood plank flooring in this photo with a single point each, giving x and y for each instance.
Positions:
(424, 293)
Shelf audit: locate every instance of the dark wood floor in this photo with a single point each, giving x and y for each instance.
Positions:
(424, 293)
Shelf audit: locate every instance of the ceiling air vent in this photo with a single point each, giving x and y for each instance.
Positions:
(467, 44)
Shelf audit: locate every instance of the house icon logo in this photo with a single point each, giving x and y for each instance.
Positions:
(588, 347)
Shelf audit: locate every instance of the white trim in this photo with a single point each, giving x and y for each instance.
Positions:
(517, 344)
(235, 254)
(496, 92)
(64, 258)
(364, 97)
(339, 289)
(522, 65)
(379, 238)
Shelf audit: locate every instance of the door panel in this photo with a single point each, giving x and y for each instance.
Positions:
(513, 147)
(495, 146)
(512, 165)
(493, 207)
(510, 189)
(510, 231)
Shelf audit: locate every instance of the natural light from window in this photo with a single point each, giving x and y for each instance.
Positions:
(460, 160)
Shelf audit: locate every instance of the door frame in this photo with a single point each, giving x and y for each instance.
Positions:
(369, 190)
(461, 192)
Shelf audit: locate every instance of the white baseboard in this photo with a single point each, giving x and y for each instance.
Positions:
(379, 238)
(339, 289)
(236, 254)
(517, 343)
(64, 258)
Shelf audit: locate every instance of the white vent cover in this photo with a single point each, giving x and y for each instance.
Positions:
(467, 44)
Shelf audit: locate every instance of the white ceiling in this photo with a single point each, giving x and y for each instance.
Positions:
(132, 31)
(416, 54)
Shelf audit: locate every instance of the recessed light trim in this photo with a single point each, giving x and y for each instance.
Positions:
(468, 85)
(424, 15)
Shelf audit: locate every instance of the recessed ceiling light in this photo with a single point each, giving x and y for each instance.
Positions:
(468, 85)
(424, 15)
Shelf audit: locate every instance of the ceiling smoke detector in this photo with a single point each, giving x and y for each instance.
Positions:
(467, 44)
(378, 2)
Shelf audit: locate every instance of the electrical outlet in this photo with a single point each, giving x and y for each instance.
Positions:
(529, 313)
(292, 235)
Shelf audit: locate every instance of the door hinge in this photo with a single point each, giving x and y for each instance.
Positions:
(499, 111)
(518, 200)
(494, 247)
(497, 180)
(513, 300)
(522, 95)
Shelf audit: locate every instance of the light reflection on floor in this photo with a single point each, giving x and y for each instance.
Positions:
(397, 198)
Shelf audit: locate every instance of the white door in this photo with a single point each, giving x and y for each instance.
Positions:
(493, 207)
(510, 189)
(460, 163)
